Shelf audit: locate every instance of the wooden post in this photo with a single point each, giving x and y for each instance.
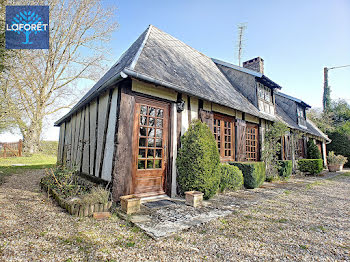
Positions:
(20, 147)
(4, 144)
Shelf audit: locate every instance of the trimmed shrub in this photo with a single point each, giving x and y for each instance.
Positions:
(312, 166)
(198, 161)
(254, 173)
(312, 150)
(231, 178)
(285, 168)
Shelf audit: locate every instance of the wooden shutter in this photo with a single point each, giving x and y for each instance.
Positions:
(207, 117)
(241, 140)
(287, 147)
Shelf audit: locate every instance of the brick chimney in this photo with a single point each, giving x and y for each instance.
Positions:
(256, 64)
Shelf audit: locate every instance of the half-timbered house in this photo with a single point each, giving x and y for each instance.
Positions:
(126, 130)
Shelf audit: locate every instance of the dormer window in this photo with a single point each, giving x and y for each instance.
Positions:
(264, 93)
(301, 116)
(265, 99)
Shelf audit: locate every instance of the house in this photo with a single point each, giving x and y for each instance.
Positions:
(126, 130)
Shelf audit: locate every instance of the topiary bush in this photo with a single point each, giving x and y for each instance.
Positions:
(285, 168)
(312, 150)
(231, 178)
(311, 166)
(254, 173)
(198, 161)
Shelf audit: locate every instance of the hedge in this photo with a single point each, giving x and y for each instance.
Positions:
(231, 178)
(285, 168)
(312, 166)
(254, 173)
(198, 161)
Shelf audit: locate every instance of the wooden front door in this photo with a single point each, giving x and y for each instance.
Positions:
(150, 146)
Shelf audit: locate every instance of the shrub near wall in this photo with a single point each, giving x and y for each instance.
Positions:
(311, 166)
(231, 178)
(254, 173)
(285, 168)
(198, 161)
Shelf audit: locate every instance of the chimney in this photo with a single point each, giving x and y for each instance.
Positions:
(256, 64)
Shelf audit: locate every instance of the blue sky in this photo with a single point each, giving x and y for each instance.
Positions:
(295, 38)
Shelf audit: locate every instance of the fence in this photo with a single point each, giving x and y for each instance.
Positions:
(11, 149)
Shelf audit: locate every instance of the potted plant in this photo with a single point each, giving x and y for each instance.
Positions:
(341, 161)
(335, 162)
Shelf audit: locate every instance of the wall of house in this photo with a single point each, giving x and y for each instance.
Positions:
(243, 82)
(86, 140)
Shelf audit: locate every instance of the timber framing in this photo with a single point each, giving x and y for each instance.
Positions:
(103, 135)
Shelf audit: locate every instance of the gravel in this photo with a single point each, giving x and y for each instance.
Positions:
(307, 221)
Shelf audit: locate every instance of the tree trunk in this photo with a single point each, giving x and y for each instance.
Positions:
(31, 137)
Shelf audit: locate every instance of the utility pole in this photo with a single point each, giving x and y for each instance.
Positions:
(241, 29)
(327, 89)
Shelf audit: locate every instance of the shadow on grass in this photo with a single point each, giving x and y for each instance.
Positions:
(10, 170)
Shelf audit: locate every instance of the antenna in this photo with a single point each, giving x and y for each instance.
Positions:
(240, 41)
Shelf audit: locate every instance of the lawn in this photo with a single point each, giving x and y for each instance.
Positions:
(36, 161)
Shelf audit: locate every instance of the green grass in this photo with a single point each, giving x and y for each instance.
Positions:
(37, 161)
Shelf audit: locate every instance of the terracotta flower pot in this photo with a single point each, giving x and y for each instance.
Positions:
(333, 168)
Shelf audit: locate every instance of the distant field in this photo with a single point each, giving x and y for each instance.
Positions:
(37, 161)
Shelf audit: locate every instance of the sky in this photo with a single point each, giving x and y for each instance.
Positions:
(296, 39)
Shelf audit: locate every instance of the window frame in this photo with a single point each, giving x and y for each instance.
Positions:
(249, 145)
(265, 90)
(301, 114)
(223, 119)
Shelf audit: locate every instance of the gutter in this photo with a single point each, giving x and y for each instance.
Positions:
(113, 80)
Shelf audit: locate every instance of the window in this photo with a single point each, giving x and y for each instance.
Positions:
(264, 93)
(252, 142)
(150, 138)
(224, 135)
(265, 100)
(301, 116)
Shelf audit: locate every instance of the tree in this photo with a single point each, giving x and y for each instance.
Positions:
(312, 150)
(272, 148)
(335, 122)
(42, 82)
(323, 120)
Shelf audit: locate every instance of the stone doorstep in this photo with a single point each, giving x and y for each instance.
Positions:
(154, 198)
(159, 229)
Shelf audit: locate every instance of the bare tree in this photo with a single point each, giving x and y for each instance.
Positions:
(42, 82)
